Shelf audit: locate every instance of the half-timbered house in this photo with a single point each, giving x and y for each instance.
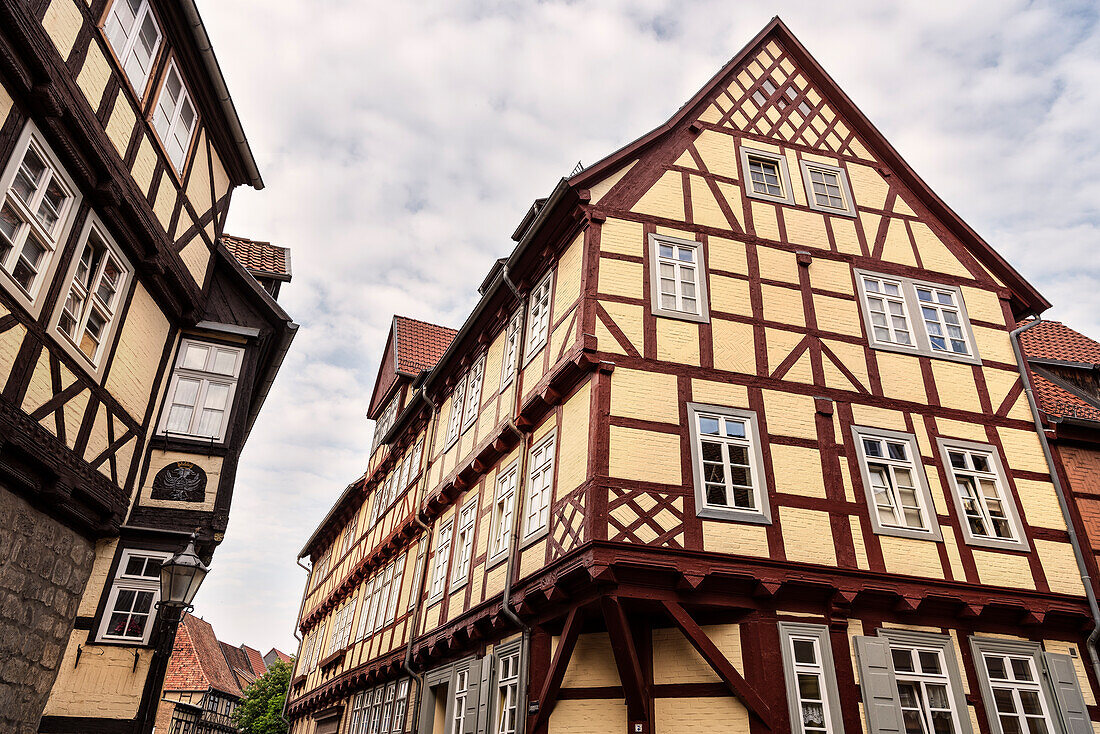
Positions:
(734, 440)
(137, 343)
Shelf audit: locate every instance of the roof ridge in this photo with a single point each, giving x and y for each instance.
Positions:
(422, 321)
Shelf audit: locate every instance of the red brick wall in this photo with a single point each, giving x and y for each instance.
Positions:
(1082, 466)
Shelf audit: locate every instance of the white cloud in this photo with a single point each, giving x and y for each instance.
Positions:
(402, 142)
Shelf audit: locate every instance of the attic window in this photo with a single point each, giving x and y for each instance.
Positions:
(827, 188)
(765, 176)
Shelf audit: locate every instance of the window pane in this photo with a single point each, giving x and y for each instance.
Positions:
(804, 651)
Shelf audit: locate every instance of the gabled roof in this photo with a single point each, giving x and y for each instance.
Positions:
(197, 657)
(261, 259)
(1054, 342)
(419, 345)
(1028, 299)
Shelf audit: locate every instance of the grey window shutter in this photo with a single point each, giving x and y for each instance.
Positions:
(484, 716)
(880, 689)
(1067, 690)
(473, 697)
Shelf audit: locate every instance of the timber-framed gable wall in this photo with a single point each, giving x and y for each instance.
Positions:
(773, 364)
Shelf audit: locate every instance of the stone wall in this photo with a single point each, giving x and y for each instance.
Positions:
(44, 567)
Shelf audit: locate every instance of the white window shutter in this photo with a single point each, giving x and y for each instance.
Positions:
(880, 689)
(1067, 690)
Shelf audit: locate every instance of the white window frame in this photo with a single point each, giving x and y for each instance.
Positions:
(701, 314)
(997, 475)
(440, 559)
(130, 41)
(380, 598)
(540, 486)
(360, 706)
(503, 517)
(509, 360)
(342, 623)
(916, 468)
(848, 209)
(539, 303)
(364, 630)
(822, 669)
(464, 545)
(315, 659)
(458, 701)
(471, 398)
(385, 421)
(761, 514)
(174, 119)
(400, 706)
(454, 418)
(918, 328)
(1032, 652)
(110, 312)
(52, 240)
(507, 692)
(748, 154)
(206, 378)
(395, 588)
(943, 647)
(139, 584)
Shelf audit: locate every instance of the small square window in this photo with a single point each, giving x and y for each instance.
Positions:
(827, 188)
(728, 464)
(678, 279)
(765, 176)
(895, 484)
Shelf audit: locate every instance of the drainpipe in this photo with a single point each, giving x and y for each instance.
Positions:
(1090, 594)
(423, 572)
(298, 637)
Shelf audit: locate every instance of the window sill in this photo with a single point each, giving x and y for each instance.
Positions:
(830, 210)
(533, 538)
(332, 659)
(189, 444)
(695, 318)
(741, 516)
(529, 357)
(930, 535)
(494, 561)
(1017, 546)
(921, 352)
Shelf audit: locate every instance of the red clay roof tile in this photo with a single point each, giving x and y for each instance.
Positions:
(418, 344)
(262, 259)
(1053, 340)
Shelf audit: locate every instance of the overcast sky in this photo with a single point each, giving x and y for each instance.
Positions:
(401, 142)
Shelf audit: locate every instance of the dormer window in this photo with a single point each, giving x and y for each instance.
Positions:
(175, 118)
(385, 421)
(135, 38)
(200, 395)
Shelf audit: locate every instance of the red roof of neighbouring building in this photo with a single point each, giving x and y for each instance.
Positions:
(1058, 397)
(200, 661)
(419, 345)
(262, 259)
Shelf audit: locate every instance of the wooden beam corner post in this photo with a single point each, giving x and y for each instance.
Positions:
(631, 671)
(738, 686)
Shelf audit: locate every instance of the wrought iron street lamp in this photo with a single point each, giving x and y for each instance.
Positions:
(180, 578)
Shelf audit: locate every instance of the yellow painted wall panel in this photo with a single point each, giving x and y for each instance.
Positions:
(1003, 569)
(1040, 504)
(844, 234)
(735, 538)
(832, 275)
(717, 151)
(644, 455)
(783, 305)
(805, 228)
(140, 343)
(567, 282)
(789, 414)
(145, 164)
(934, 255)
(901, 377)
(732, 194)
(645, 395)
(97, 579)
(898, 248)
(1060, 567)
(807, 536)
(869, 189)
(40, 388)
(600, 189)
(780, 344)
(953, 555)
(719, 393)
(622, 237)
(665, 198)
(94, 75)
(5, 104)
(120, 127)
(196, 256)
(678, 341)
(198, 184)
(777, 264)
(62, 23)
(583, 716)
(728, 255)
(838, 315)
(866, 415)
(592, 663)
(574, 441)
(858, 543)
(105, 685)
(764, 221)
(983, 305)
(683, 715)
(166, 200)
(911, 557)
(1023, 450)
(676, 661)
(956, 386)
(621, 278)
(704, 207)
(734, 350)
(798, 470)
(730, 295)
(629, 319)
